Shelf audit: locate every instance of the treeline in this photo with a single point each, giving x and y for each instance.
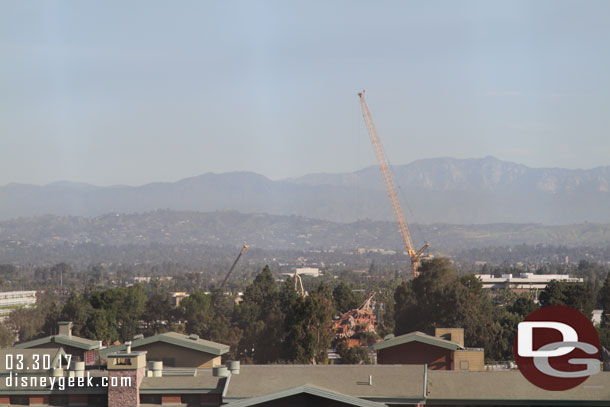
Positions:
(274, 324)
(441, 297)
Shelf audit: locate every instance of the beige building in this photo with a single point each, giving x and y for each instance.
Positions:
(175, 350)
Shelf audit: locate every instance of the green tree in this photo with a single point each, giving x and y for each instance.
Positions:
(196, 309)
(132, 307)
(604, 301)
(574, 295)
(77, 309)
(344, 298)
(99, 327)
(261, 320)
(523, 306)
(27, 322)
(7, 336)
(308, 328)
(441, 298)
(356, 355)
(157, 312)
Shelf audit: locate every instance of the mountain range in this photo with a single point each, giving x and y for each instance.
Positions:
(438, 190)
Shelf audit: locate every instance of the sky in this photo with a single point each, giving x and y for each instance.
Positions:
(115, 92)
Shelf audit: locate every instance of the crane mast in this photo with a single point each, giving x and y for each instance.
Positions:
(382, 160)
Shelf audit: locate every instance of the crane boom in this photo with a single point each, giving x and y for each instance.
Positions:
(382, 160)
(243, 249)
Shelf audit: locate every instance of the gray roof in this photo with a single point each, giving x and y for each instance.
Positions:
(388, 381)
(417, 337)
(73, 341)
(174, 338)
(184, 384)
(307, 389)
(511, 385)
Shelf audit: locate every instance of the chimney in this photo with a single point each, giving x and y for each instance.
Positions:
(65, 328)
(123, 365)
(128, 343)
(451, 334)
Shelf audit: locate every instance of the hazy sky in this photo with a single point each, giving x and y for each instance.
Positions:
(133, 92)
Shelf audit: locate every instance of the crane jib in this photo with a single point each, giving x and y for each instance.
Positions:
(382, 160)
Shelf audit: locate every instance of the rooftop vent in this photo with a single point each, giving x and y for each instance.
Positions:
(139, 336)
(220, 371)
(194, 337)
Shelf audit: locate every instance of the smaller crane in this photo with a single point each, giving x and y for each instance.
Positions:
(243, 249)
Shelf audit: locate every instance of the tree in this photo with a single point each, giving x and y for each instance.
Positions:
(27, 322)
(7, 336)
(157, 312)
(196, 310)
(604, 301)
(344, 298)
(261, 320)
(77, 309)
(356, 355)
(308, 328)
(522, 306)
(438, 297)
(574, 295)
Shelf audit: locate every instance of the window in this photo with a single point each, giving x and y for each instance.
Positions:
(58, 400)
(150, 399)
(123, 361)
(191, 400)
(97, 400)
(20, 400)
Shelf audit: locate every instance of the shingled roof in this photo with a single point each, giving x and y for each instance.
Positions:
(510, 387)
(174, 338)
(309, 390)
(417, 337)
(378, 383)
(73, 341)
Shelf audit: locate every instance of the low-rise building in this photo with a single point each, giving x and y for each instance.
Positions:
(526, 282)
(133, 381)
(308, 271)
(12, 300)
(444, 351)
(175, 350)
(81, 349)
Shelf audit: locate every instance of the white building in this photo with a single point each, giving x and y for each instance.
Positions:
(305, 271)
(525, 282)
(11, 300)
(308, 271)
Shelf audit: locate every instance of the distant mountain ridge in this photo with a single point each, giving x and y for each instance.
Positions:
(275, 232)
(489, 173)
(443, 190)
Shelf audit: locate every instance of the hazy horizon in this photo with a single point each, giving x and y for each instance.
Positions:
(285, 178)
(131, 93)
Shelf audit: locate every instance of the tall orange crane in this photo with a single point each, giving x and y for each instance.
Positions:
(403, 227)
